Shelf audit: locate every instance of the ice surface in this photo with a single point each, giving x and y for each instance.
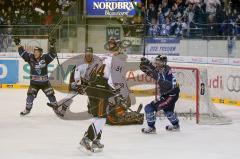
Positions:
(42, 135)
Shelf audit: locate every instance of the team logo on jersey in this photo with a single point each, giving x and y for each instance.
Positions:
(41, 64)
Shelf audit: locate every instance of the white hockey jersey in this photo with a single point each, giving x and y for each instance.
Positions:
(83, 69)
(114, 72)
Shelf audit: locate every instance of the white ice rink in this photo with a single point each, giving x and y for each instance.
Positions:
(42, 135)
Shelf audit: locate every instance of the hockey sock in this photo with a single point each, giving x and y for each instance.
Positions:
(151, 119)
(29, 102)
(52, 99)
(99, 123)
(99, 135)
(150, 115)
(172, 117)
(95, 129)
(91, 132)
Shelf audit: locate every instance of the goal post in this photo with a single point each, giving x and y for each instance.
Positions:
(195, 99)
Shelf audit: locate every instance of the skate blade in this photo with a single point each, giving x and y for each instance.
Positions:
(24, 115)
(97, 150)
(85, 151)
(149, 132)
(174, 130)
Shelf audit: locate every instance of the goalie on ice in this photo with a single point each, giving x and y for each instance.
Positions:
(169, 93)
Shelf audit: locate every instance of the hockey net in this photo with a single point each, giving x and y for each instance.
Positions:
(195, 100)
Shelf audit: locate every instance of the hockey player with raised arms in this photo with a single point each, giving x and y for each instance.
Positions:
(38, 73)
(169, 94)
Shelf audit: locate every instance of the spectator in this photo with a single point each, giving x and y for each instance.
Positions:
(166, 28)
(154, 29)
(238, 25)
(211, 8)
(48, 19)
(152, 12)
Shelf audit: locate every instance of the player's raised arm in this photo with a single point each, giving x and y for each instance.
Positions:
(22, 52)
(52, 53)
(147, 67)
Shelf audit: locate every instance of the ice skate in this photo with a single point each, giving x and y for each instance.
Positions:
(173, 127)
(149, 130)
(97, 146)
(85, 144)
(53, 105)
(25, 112)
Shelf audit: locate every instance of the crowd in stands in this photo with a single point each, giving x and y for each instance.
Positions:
(173, 17)
(162, 17)
(23, 12)
(21, 17)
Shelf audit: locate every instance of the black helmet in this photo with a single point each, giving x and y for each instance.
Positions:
(162, 58)
(38, 48)
(89, 49)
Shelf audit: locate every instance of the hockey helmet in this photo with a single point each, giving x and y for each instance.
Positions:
(113, 44)
(162, 59)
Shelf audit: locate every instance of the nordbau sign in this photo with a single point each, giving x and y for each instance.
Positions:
(110, 7)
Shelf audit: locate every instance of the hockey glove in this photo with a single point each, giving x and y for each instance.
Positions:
(52, 41)
(144, 61)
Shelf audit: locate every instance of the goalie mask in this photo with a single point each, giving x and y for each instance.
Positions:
(113, 44)
(160, 61)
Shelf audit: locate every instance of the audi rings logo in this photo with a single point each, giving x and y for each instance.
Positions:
(233, 83)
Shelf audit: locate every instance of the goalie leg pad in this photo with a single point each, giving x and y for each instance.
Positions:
(172, 117)
(128, 118)
(150, 115)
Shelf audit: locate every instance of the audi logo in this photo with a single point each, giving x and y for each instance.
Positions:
(233, 83)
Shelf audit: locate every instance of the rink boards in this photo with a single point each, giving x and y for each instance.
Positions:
(223, 80)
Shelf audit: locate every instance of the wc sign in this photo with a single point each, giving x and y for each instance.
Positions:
(8, 71)
(113, 32)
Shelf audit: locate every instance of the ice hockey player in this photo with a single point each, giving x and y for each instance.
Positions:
(38, 73)
(111, 72)
(169, 93)
(87, 65)
(119, 115)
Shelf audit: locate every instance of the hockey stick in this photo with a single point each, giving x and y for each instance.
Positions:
(68, 99)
